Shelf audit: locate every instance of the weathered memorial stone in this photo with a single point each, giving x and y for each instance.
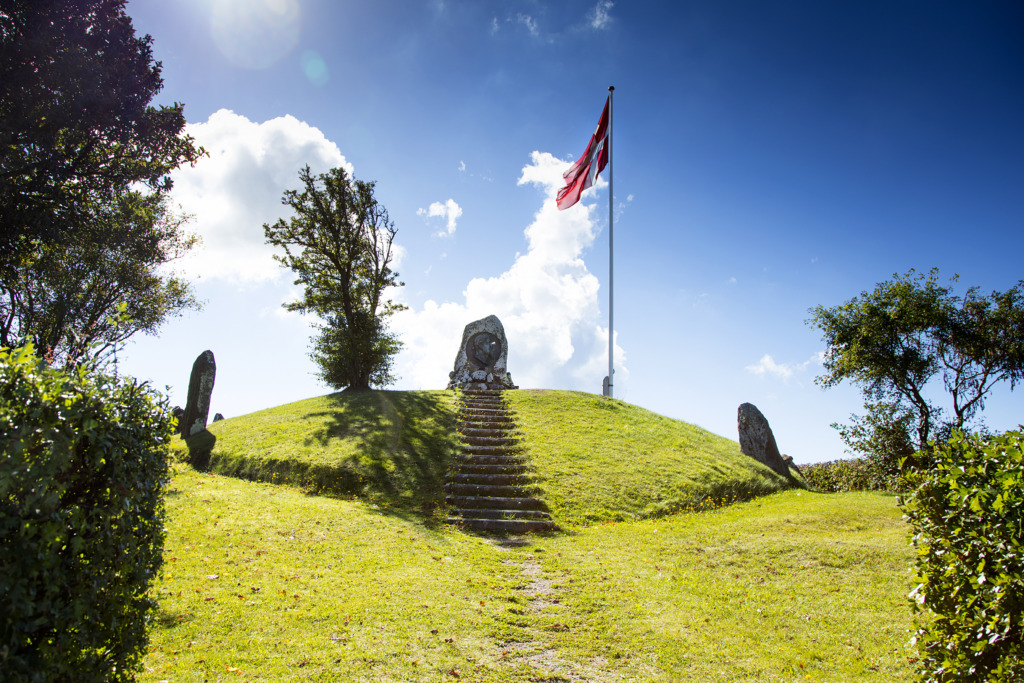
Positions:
(483, 357)
(757, 440)
(200, 387)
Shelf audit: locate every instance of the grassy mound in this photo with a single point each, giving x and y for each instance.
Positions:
(600, 459)
(595, 459)
(388, 447)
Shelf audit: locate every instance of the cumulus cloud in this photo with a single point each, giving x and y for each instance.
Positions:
(768, 366)
(600, 16)
(237, 188)
(450, 211)
(547, 301)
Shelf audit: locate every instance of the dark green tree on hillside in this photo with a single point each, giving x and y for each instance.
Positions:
(76, 126)
(85, 234)
(909, 340)
(339, 242)
(78, 298)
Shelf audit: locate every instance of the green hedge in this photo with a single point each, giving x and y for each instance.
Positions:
(967, 512)
(843, 475)
(83, 468)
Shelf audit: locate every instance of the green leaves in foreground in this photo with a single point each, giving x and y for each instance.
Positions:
(83, 465)
(967, 516)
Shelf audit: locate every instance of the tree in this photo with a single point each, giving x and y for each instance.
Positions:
(81, 297)
(76, 128)
(896, 341)
(339, 243)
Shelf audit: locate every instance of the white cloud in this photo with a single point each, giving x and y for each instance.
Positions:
(600, 16)
(449, 210)
(530, 23)
(768, 366)
(237, 188)
(462, 166)
(547, 301)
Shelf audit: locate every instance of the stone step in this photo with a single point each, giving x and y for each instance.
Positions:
(483, 513)
(488, 469)
(477, 413)
(486, 423)
(508, 526)
(488, 491)
(481, 392)
(485, 431)
(494, 503)
(505, 460)
(488, 479)
(491, 400)
(468, 449)
(469, 440)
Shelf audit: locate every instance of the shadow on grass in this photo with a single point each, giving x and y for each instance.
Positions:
(402, 442)
(406, 440)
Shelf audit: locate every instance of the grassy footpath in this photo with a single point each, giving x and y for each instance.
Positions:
(266, 583)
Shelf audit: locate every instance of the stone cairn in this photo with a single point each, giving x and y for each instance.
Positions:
(200, 388)
(488, 483)
(483, 357)
(758, 441)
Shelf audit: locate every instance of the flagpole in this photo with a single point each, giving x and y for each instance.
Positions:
(611, 242)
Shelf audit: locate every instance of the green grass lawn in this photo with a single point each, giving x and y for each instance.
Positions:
(600, 459)
(388, 447)
(263, 582)
(679, 559)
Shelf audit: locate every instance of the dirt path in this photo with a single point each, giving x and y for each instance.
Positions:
(544, 603)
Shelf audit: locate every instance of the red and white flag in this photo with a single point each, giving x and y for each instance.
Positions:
(583, 173)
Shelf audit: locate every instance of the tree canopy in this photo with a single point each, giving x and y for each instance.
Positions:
(339, 243)
(85, 233)
(912, 339)
(80, 297)
(76, 125)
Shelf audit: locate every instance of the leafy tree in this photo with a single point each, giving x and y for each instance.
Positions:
(76, 128)
(898, 340)
(339, 243)
(83, 296)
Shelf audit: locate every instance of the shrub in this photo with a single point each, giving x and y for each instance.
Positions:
(83, 467)
(842, 475)
(966, 512)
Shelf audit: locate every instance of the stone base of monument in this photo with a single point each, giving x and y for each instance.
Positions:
(488, 483)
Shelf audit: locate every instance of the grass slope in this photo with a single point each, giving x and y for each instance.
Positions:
(600, 459)
(388, 447)
(265, 583)
(595, 459)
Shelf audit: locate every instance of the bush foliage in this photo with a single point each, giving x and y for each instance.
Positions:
(858, 474)
(82, 473)
(966, 512)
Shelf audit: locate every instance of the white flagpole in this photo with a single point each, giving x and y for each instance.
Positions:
(611, 196)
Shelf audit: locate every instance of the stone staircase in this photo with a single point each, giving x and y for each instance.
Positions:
(488, 485)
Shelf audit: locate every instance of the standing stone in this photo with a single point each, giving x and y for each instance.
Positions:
(200, 387)
(482, 358)
(757, 440)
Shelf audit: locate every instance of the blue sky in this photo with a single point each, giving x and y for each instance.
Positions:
(768, 157)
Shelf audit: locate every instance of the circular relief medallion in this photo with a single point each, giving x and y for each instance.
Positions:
(483, 349)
